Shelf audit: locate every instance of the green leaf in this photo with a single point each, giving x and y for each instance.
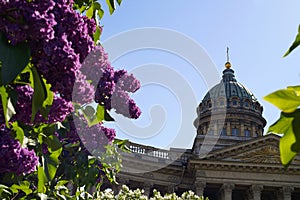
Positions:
(94, 118)
(111, 5)
(19, 132)
(24, 186)
(53, 143)
(8, 108)
(119, 2)
(13, 59)
(281, 125)
(50, 167)
(4, 191)
(96, 6)
(286, 99)
(42, 179)
(286, 153)
(89, 111)
(42, 96)
(90, 12)
(295, 44)
(107, 117)
(100, 13)
(97, 34)
(122, 145)
(289, 125)
(296, 89)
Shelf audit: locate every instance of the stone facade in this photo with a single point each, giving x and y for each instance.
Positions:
(230, 158)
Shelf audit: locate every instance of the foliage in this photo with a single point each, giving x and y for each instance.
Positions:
(295, 44)
(55, 99)
(288, 101)
(126, 193)
(61, 191)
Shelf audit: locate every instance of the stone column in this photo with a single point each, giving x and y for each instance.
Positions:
(216, 128)
(253, 130)
(228, 129)
(170, 189)
(255, 192)
(285, 193)
(242, 129)
(147, 188)
(199, 187)
(227, 191)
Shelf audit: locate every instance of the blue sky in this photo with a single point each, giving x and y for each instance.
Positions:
(257, 32)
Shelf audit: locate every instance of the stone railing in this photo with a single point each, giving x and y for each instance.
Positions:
(162, 155)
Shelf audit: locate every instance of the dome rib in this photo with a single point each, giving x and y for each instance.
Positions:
(229, 88)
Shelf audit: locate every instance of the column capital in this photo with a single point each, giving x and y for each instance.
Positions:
(228, 186)
(256, 188)
(199, 187)
(199, 183)
(286, 192)
(255, 192)
(148, 184)
(227, 191)
(287, 189)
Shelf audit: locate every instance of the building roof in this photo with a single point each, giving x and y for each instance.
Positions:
(229, 93)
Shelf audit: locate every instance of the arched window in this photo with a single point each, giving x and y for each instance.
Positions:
(209, 104)
(234, 132)
(221, 102)
(247, 103)
(234, 101)
(247, 133)
(223, 132)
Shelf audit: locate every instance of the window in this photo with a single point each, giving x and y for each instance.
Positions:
(234, 102)
(209, 104)
(223, 132)
(234, 132)
(222, 103)
(210, 132)
(247, 133)
(246, 104)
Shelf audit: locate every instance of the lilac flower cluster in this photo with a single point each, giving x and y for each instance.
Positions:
(112, 86)
(58, 111)
(14, 158)
(21, 20)
(63, 51)
(83, 91)
(92, 138)
(59, 38)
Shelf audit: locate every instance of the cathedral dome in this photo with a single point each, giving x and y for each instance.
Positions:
(230, 93)
(230, 112)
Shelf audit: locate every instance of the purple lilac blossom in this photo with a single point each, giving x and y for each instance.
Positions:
(14, 158)
(59, 37)
(58, 111)
(113, 88)
(91, 138)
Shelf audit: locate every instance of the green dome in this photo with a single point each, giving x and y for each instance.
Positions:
(230, 93)
(229, 87)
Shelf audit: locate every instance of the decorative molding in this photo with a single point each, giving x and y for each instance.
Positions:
(172, 178)
(148, 175)
(268, 154)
